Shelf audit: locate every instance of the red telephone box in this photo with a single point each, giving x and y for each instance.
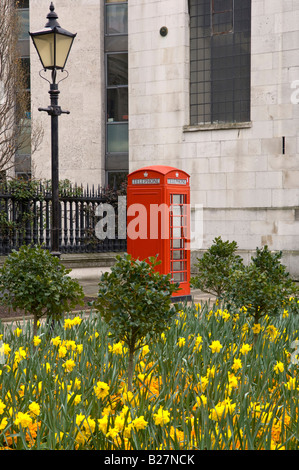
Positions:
(158, 221)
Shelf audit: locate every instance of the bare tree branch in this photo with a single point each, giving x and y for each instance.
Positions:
(15, 126)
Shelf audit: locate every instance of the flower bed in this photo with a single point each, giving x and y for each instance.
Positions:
(213, 380)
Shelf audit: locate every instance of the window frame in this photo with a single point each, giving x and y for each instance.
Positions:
(198, 21)
(114, 3)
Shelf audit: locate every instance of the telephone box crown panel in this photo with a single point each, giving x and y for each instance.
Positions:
(158, 175)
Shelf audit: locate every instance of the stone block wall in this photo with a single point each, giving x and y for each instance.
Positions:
(82, 132)
(245, 176)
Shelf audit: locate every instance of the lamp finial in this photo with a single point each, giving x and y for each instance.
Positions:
(52, 17)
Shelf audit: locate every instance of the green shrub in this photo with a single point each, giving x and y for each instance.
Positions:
(263, 286)
(35, 281)
(135, 301)
(216, 266)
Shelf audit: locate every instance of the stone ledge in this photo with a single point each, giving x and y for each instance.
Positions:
(84, 260)
(88, 260)
(290, 258)
(217, 126)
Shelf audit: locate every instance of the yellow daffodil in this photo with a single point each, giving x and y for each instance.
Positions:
(2, 406)
(245, 349)
(139, 423)
(101, 389)
(181, 342)
(23, 419)
(256, 328)
(215, 346)
(36, 341)
(34, 409)
(161, 417)
(237, 364)
(69, 365)
(279, 367)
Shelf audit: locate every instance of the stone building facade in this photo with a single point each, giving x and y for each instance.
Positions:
(212, 90)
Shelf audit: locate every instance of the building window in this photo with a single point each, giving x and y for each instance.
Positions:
(220, 37)
(117, 179)
(117, 103)
(116, 17)
(117, 113)
(117, 70)
(23, 155)
(222, 16)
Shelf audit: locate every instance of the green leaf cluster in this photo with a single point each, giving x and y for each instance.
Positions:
(263, 286)
(134, 299)
(34, 280)
(215, 267)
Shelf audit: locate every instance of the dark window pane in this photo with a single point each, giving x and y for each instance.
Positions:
(117, 69)
(222, 22)
(26, 67)
(117, 138)
(223, 5)
(117, 19)
(116, 179)
(24, 24)
(22, 4)
(117, 104)
(116, 43)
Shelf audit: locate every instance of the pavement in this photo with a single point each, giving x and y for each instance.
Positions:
(88, 276)
(89, 279)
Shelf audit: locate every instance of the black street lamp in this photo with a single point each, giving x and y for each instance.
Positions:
(53, 45)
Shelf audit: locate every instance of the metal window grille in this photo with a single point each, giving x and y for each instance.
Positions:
(220, 37)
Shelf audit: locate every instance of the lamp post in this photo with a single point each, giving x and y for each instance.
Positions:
(53, 45)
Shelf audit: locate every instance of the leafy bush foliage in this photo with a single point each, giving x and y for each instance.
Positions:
(263, 286)
(216, 266)
(135, 301)
(34, 280)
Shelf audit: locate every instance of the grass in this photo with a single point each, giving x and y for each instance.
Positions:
(205, 383)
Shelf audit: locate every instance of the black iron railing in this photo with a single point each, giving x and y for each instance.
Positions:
(25, 218)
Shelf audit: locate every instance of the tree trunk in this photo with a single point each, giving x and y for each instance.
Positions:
(130, 368)
(35, 321)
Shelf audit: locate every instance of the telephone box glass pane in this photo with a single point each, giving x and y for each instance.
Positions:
(178, 243)
(179, 277)
(177, 232)
(177, 198)
(178, 266)
(178, 221)
(178, 254)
